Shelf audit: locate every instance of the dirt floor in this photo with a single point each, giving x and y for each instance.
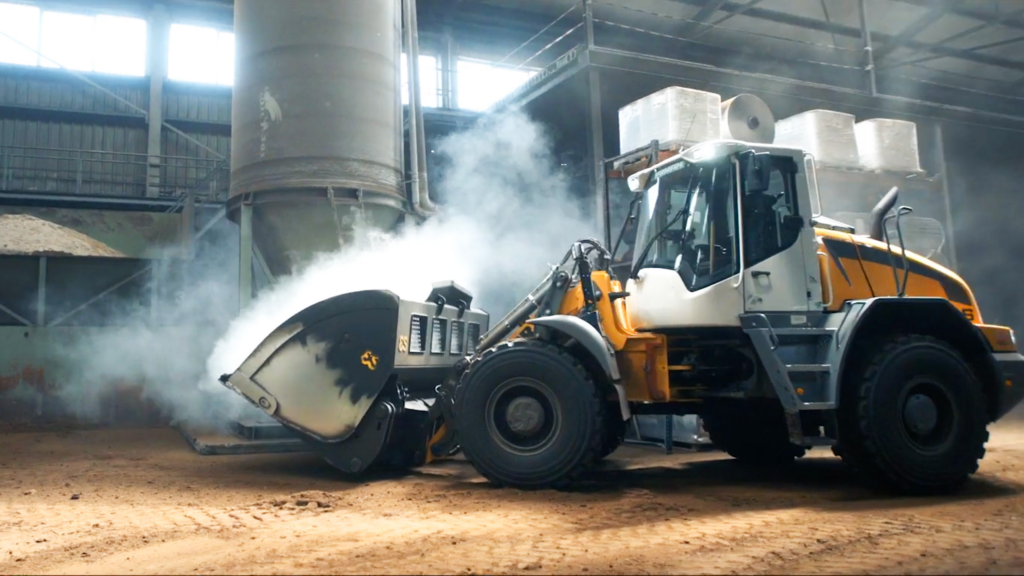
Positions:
(140, 501)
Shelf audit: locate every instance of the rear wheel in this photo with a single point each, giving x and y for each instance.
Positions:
(529, 415)
(914, 419)
(752, 431)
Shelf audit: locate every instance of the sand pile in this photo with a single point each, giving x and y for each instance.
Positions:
(23, 235)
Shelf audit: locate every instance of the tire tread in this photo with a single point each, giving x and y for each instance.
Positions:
(592, 452)
(863, 453)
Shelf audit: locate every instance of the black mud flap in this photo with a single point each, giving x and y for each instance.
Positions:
(321, 374)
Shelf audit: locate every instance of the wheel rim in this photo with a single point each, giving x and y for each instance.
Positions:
(523, 416)
(928, 416)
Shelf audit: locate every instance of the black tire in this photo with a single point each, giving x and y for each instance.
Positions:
(569, 437)
(614, 430)
(753, 432)
(912, 417)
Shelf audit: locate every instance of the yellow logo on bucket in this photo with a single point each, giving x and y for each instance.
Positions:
(369, 360)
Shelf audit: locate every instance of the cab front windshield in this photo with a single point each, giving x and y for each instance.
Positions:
(688, 220)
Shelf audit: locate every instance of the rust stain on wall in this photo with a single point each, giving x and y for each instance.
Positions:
(30, 376)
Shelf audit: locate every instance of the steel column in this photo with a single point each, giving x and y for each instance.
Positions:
(245, 256)
(262, 263)
(156, 270)
(588, 19)
(188, 225)
(159, 40)
(595, 146)
(41, 294)
(449, 72)
(865, 31)
(940, 164)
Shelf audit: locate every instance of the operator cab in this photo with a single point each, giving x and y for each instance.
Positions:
(723, 229)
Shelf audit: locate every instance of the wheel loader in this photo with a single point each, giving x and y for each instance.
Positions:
(780, 328)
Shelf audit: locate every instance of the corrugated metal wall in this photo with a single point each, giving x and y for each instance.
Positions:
(58, 134)
(204, 113)
(53, 90)
(213, 106)
(72, 158)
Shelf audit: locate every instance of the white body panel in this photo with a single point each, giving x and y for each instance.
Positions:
(659, 299)
(785, 286)
(793, 283)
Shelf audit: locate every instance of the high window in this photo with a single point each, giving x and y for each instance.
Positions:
(202, 55)
(481, 84)
(82, 42)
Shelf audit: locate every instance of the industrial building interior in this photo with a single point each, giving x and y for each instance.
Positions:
(177, 177)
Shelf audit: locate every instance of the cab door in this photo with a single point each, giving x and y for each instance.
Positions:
(778, 250)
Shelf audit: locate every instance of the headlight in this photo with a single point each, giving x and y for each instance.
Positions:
(1013, 337)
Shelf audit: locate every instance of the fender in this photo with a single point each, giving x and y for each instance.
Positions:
(594, 343)
(934, 315)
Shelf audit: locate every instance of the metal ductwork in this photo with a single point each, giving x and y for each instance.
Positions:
(420, 191)
(316, 123)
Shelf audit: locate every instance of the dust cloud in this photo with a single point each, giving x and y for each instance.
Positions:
(507, 214)
(156, 338)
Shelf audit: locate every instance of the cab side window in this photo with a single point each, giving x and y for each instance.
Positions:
(771, 218)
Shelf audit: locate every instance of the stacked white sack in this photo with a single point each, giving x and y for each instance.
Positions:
(828, 135)
(886, 144)
(674, 115)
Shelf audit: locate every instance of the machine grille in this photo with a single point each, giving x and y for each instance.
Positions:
(458, 340)
(472, 336)
(438, 335)
(417, 334)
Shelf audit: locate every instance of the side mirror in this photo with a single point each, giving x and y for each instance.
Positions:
(757, 171)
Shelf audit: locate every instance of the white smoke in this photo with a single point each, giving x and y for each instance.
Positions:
(507, 214)
(156, 344)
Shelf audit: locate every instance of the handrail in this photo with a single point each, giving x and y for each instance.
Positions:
(739, 213)
(901, 289)
(828, 280)
(107, 172)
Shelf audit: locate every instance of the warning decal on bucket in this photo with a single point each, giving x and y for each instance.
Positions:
(369, 360)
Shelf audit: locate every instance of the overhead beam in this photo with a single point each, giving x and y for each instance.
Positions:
(975, 14)
(937, 11)
(895, 106)
(959, 35)
(729, 16)
(699, 19)
(1017, 85)
(852, 32)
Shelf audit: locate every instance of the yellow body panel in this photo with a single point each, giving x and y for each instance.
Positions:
(642, 358)
(1000, 338)
(859, 267)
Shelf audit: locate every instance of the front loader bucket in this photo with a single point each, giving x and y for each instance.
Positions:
(321, 371)
(346, 376)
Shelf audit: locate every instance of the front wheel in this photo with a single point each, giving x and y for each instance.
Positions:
(529, 415)
(914, 418)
